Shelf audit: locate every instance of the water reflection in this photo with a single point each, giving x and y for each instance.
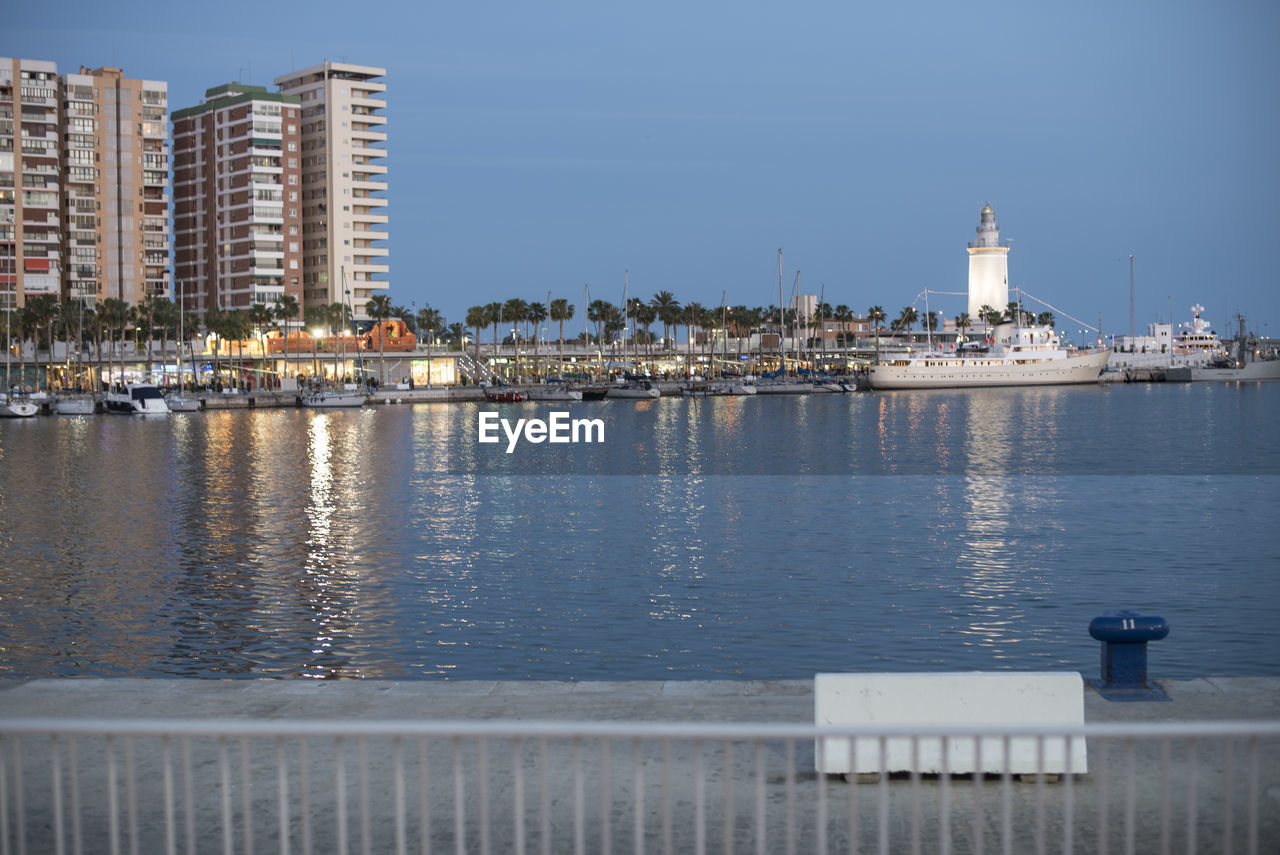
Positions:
(295, 543)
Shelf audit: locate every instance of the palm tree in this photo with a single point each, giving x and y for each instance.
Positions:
(164, 317)
(115, 316)
(457, 332)
(645, 315)
(908, 317)
(43, 312)
(477, 318)
(429, 321)
(561, 310)
(260, 318)
(1046, 319)
(989, 315)
(963, 323)
(493, 316)
(380, 310)
(667, 307)
(876, 316)
(693, 317)
(284, 311)
(315, 318)
(599, 312)
(336, 318)
(536, 314)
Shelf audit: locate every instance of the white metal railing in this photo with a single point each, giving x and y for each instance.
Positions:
(310, 786)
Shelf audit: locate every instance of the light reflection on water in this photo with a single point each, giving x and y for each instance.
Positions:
(362, 544)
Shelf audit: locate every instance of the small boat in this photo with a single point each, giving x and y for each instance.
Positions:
(704, 389)
(330, 398)
(635, 388)
(180, 403)
(137, 399)
(777, 383)
(554, 390)
(503, 395)
(16, 407)
(75, 405)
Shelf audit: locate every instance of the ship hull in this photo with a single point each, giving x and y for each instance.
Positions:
(1265, 370)
(943, 373)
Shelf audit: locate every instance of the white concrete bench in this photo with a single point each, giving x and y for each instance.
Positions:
(940, 700)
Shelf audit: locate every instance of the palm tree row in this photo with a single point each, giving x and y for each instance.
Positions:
(45, 320)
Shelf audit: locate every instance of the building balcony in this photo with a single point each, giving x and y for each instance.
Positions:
(267, 272)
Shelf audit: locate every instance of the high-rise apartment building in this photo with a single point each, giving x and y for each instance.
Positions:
(237, 198)
(30, 261)
(115, 230)
(84, 177)
(343, 181)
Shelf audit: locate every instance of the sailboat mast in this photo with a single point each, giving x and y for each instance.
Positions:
(782, 359)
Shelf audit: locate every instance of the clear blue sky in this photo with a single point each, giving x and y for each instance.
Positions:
(536, 147)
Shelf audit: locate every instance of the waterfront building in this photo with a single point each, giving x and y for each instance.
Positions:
(988, 267)
(84, 179)
(237, 199)
(30, 262)
(343, 181)
(115, 133)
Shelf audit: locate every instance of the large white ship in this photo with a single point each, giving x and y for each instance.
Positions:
(1013, 355)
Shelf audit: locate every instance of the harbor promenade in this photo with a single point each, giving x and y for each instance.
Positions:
(382, 766)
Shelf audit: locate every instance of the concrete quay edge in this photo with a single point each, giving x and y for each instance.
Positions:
(1204, 699)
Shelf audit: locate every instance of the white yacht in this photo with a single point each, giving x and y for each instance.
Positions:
(331, 398)
(16, 407)
(554, 390)
(137, 399)
(635, 388)
(1012, 355)
(75, 405)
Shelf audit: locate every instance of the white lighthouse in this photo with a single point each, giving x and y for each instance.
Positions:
(988, 267)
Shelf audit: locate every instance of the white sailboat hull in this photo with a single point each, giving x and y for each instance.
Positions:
(76, 407)
(333, 399)
(16, 408)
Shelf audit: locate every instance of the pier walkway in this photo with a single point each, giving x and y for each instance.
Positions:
(381, 766)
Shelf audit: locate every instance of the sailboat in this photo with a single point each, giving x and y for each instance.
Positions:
(180, 403)
(13, 406)
(78, 404)
(777, 382)
(335, 395)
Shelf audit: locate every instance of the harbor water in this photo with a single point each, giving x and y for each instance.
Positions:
(769, 537)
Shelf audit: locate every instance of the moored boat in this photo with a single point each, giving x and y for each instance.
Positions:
(75, 405)
(137, 399)
(330, 398)
(17, 407)
(554, 390)
(503, 395)
(1013, 355)
(636, 388)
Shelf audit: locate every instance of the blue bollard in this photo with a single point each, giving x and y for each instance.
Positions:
(1124, 636)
